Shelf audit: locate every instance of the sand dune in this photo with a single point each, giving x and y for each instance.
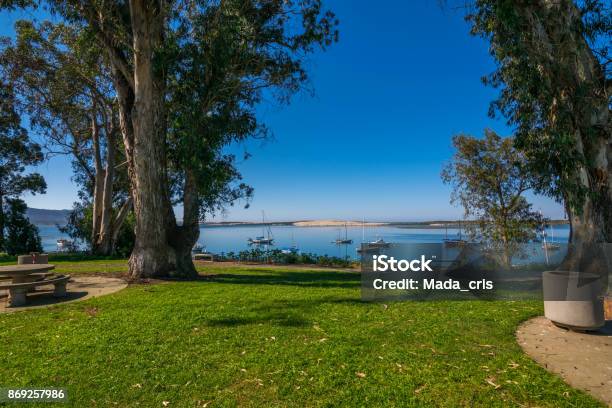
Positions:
(336, 223)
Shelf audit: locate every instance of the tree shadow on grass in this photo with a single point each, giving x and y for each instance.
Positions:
(320, 279)
(276, 319)
(285, 313)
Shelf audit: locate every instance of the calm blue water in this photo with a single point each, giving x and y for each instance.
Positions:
(317, 240)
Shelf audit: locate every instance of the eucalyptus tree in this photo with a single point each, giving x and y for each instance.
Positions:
(229, 54)
(489, 179)
(16, 153)
(147, 43)
(553, 69)
(64, 87)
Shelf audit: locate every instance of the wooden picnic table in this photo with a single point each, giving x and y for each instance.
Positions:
(25, 272)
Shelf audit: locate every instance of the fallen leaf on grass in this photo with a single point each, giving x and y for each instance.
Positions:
(91, 311)
(513, 364)
(360, 374)
(136, 386)
(165, 403)
(418, 390)
(491, 382)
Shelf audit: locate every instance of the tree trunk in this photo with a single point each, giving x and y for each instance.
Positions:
(98, 181)
(118, 222)
(189, 232)
(104, 244)
(2, 222)
(152, 255)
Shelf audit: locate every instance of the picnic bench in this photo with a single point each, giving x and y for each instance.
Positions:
(204, 256)
(26, 277)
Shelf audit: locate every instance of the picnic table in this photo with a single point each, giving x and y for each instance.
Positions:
(25, 273)
(27, 277)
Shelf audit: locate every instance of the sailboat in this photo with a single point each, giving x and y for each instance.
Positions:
(64, 245)
(551, 246)
(371, 245)
(345, 240)
(266, 236)
(198, 249)
(293, 249)
(452, 242)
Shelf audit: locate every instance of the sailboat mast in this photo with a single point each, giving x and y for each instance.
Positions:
(263, 223)
(552, 233)
(363, 230)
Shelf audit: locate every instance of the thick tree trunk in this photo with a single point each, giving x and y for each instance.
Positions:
(140, 89)
(592, 222)
(189, 232)
(152, 255)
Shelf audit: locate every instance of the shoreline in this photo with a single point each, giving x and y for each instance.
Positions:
(434, 224)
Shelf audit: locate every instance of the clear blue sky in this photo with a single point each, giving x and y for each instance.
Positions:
(403, 79)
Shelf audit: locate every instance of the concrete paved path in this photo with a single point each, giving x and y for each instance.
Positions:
(583, 360)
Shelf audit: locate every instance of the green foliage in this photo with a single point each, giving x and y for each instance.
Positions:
(553, 74)
(219, 60)
(79, 227)
(276, 256)
(62, 83)
(16, 152)
(21, 235)
(489, 178)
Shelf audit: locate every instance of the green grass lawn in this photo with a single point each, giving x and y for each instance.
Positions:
(275, 337)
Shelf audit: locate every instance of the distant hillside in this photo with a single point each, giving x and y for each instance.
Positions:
(41, 216)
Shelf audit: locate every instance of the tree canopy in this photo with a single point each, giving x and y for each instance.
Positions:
(16, 153)
(489, 179)
(188, 77)
(553, 72)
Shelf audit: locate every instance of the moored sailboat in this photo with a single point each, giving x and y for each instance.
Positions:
(266, 237)
(345, 240)
(453, 242)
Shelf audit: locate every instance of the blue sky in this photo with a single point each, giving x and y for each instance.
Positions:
(403, 79)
